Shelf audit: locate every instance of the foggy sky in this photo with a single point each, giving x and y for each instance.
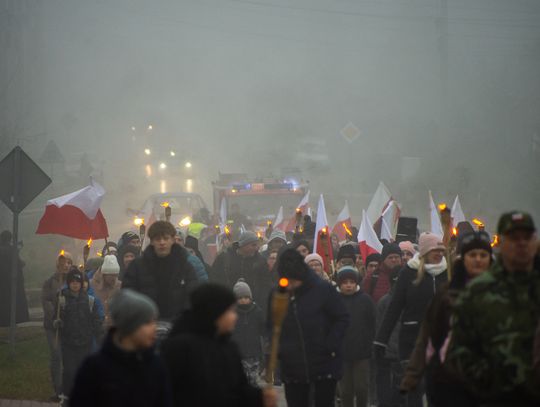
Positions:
(247, 85)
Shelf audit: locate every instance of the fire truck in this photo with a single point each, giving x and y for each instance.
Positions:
(258, 199)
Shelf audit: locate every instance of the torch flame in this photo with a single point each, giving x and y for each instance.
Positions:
(495, 241)
(269, 223)
(227, 231)
(138, 221)
(89, 242)
(99, 254)
(347, 230)
(62, 252)
(298, 211)
(283, 282)
(442, 207)
(165, 204)
(259, 235)
(478, 222)
(454, 231)
(324, 230)
(185, 222)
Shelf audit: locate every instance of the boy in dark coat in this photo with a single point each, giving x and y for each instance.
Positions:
(358, 339)
(205, 366)
(80, 325)
(249, 331)
(311, 343)
(126, 371)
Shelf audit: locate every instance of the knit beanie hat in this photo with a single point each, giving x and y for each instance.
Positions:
(64, 255)
(428, 242)
(210, 300)
(130, 310)
(291, 265)
(373, 257)
(277, 234)
(74, 274)
(127, 237)
(407, 246)
(241, 289)
(346, 252)
(390, 248)
(473, 241)
(314, 257)
(128, 249)
(110, 265)
(247, 238)
(347, 272)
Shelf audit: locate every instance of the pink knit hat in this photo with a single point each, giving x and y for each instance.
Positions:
(428, 242)
(314, 256)
(407, 246)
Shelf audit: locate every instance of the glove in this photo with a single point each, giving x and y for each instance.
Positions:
(379, 350)
(58, 324)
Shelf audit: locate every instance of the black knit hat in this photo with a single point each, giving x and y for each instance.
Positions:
(390, 248)
(74, 274)
(346, 252)
(473, 241)
(373, 257)
(291, 265)
(209, 301)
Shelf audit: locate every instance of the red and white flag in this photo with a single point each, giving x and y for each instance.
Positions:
(321, 242)
(380, 201)
(303, 207)
(278, 221)
(389, 220)
(77, 215)
(367, 238)
(343, 225)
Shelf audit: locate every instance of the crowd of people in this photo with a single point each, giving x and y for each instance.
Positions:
(415, 324)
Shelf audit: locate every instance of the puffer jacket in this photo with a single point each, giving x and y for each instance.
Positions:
(311, 344)
(167, 281)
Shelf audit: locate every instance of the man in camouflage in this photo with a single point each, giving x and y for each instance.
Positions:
(495, 321)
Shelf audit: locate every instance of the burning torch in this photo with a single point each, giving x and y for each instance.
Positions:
(479, 224)
(269, 229)
(279, 307)
(86, 250)
(329, 268)
(298, 220)
(142, 227)
(168, 211)
(347, 231)
(446, 221)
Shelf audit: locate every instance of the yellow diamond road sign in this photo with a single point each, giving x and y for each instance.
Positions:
(350, 132)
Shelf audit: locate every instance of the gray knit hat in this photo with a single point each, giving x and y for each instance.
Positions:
(247, 238)
(277, 234)
(129, 310)
(241, 289)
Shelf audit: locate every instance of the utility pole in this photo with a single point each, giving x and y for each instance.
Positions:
(442, 28)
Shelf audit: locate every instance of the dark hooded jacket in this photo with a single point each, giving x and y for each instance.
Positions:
(229, 267)
(311, 345)
(206, 369)
(361, 331)
(115, 378)
(167, 281)
(250, 330)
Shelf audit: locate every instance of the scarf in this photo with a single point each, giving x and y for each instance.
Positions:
(431, 269)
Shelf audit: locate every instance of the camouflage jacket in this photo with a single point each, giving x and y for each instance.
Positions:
(493, 334)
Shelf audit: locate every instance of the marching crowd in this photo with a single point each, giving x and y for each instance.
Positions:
(418, 323)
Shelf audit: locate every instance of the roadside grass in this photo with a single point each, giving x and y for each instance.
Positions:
(27, 376)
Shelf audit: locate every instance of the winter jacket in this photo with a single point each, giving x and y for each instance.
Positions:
(311, 344)
(49, 297)
(361, 331)
(198, 266)
(377, 284)
(410, 302)
(81, 322)
(115, 378)
(168, 281)
(250, 330)
(229, 267)
(493, 334)
(104, 294)
(21, 308)
(392, 352)
(205, 369)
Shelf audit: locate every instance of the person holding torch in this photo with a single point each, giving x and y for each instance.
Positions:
(311, 335)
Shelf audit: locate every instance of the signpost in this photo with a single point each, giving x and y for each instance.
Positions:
(21, 180)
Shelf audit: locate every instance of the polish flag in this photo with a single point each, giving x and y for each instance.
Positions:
(389, 220)
(343, 225)
(321, 242)
(435, 219)
(457, 213)
(278, 221)
(77, 215)
(367, 238)
(303, 207)
(380, 201)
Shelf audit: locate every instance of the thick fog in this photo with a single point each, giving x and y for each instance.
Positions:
(444, 94)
